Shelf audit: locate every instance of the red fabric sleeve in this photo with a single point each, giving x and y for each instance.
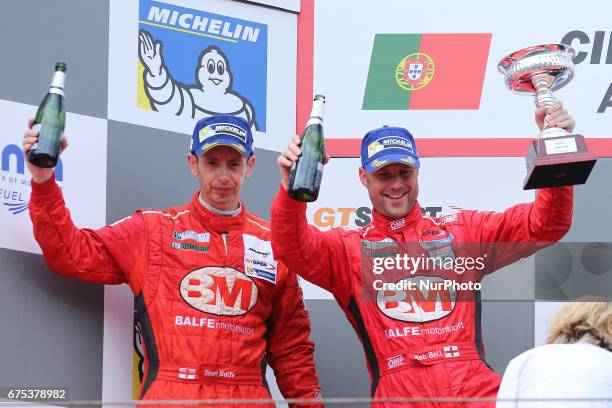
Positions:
(319, 257)
(289, 349)
(522, 229)
(106, 255)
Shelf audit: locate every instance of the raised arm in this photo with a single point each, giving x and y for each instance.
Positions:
(523, 229)
(106, 255)
(319, 257)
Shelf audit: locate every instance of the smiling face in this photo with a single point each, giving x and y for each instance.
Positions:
(221, 172)
(393, 189)
(213, 72)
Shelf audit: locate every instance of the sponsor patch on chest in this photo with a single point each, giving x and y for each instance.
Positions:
(190, 241)
(379, 249)
(259, 260)
(257, 268)
(191, 235)
(437, 243)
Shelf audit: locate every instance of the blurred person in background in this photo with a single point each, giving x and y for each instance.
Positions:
(576, 362)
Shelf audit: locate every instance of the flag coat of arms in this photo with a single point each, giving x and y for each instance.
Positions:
(426, 71)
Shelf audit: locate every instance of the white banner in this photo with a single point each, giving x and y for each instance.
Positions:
(360, 50)
(81, 175)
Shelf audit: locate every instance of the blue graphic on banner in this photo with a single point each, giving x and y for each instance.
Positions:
(14, 183)
(198, 63)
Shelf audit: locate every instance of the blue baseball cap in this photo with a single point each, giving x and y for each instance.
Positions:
(222, 130)
(387, 145)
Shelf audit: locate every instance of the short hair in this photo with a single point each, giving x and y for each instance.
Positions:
(587, 316)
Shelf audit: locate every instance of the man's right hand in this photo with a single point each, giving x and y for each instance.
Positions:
(290, 156)
(39, 174)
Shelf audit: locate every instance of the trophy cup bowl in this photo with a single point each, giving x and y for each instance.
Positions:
(555, 158)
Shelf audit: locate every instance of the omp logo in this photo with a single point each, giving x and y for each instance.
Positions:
(447, 219)
(220, 291)
(397, 224)
(396, 361)
(14, 183)
(417, 305)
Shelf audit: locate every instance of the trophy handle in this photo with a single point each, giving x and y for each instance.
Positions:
(544, 98)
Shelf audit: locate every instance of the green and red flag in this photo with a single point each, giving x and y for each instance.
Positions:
(426, 71)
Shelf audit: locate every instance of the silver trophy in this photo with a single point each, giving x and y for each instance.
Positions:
(555, 158)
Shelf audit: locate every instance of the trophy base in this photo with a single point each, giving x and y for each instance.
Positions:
(558, 161)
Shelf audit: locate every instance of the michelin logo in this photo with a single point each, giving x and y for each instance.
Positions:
(397, 142)
(388, 143)
(202, 24)
(223, 128)
(211, 94)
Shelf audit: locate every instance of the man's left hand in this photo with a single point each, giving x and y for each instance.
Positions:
(555, 116)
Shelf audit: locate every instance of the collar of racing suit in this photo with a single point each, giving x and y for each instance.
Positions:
(392, 226)
(229, 213)
(218, 223)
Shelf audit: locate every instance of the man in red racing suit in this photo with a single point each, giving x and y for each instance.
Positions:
(420, 343)
(213, 304)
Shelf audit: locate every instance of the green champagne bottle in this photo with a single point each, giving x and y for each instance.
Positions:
(50, 120)
(306, 173)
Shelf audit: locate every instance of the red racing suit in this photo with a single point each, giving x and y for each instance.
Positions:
(212, 303)
(419, 341)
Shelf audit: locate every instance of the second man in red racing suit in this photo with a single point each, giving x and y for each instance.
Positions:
(422, 343)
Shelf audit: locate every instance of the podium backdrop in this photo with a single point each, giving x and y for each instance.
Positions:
(127, 151)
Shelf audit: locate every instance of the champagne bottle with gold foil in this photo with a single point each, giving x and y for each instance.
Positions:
(306, 173)
(50, 121)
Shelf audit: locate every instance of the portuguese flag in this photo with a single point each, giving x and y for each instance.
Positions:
(426, 71)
